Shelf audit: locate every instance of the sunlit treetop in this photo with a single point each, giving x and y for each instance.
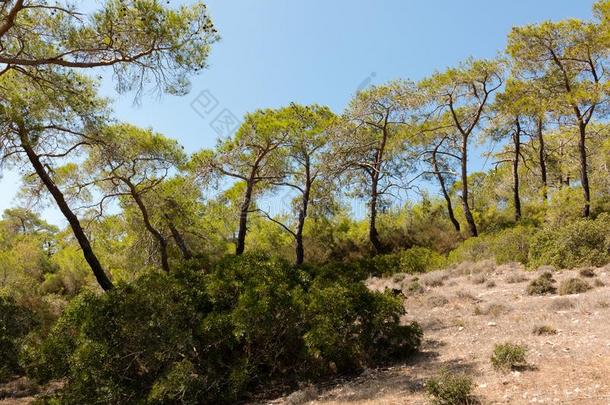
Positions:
(143, 41)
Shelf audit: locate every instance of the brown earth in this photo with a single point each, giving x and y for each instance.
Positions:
(464, 312)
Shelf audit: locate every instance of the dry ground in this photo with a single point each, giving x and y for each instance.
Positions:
(465, 311)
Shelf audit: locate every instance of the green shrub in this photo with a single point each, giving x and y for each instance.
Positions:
(542, 285)
(512, 245)
(580, 243)
(420, 260)
(196, 338)
(15, 323)
(450, 389)
(414, 260)
(508, 356)
(381, 265)
(472, 250)
(573, 286)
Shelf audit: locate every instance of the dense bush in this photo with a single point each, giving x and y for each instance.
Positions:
(512, 244)
(15, 323)
(505, 246)
(420, 260)
(413, 260)
(208, 338)
(472, 250)
(580, 243)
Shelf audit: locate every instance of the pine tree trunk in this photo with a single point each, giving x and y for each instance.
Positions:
(472, 227)
(77, 229)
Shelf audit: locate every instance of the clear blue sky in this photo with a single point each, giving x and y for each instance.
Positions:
(273, 52)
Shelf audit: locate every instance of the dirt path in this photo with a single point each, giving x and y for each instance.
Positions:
(464, 315)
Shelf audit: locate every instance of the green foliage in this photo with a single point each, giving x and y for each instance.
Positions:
(15, 323)
(508, 245)
(420, 260)
(213, 337)
(449, 388)
(508, 356)
(573, 286)
(412, 261)
(473, 250)
(512, 244)
(580, 243)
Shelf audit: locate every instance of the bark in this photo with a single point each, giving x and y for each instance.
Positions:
(441, 181)
(584, 176)
(516, 196)
(182, 245)
(243, 218)
(472, 227)
(298, 236)
(153, 231)
(373, 234)
(72, 219)
(542, 158)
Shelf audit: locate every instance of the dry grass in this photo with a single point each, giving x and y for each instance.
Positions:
(435, 279)
(568, 367)
(561, 304)
(436, 301)
(516, 278)
(478, 278)
(542, 330)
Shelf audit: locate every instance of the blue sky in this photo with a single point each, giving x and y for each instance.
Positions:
(274, 52)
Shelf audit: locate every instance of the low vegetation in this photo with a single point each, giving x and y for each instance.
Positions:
(172, 280)
(542, 330)
(542, 285)
(151, 339)
(450, 388)
(573, 286)
(508, 356)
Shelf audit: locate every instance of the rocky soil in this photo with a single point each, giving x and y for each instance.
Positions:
(465, 311)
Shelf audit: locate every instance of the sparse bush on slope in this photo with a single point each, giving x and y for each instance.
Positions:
(449, 388)
(542, 285)
(573, 286)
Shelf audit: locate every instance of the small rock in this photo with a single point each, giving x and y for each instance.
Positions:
(491, 324)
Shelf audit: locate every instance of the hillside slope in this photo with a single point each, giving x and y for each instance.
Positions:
(465, 311)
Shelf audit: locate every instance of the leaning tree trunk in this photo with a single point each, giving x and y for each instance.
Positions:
(441, 181)
(153, 231)
(77, 229)
(184, 249)
(472, 227)
(542, 158)
(516, 196)
(584, 176)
